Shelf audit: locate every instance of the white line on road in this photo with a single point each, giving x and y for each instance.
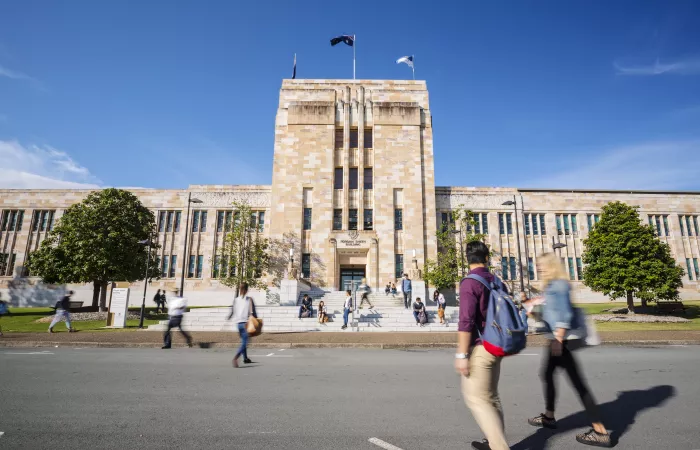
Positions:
(271, 354)
(28, 353)
(382, 444)
(529, 354)
(1, 433)
(282, 349)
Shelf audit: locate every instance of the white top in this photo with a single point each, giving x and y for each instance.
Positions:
(177, 306)
(441, 299)
(348, 303)
(322, 309)
(241, 309)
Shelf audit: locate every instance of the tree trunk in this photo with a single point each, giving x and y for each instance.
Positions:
(630, 302)
(103, 296)
(644, 303)
(95, 294)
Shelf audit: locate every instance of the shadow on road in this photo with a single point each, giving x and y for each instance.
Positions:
(619, 415)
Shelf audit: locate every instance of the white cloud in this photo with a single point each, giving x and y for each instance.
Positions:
(688, 66)
(12, 74)
(41, 167)
(669, 165)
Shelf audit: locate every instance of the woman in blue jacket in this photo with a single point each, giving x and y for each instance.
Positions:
(559, 315)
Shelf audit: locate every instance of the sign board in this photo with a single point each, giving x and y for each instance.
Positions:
(119, 306)
(353, 239)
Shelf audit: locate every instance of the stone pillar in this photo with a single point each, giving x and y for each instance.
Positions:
(332, 269)
(374, 252)
(360, 108)
(346, 157)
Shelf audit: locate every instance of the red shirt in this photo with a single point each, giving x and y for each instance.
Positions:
(473, 304)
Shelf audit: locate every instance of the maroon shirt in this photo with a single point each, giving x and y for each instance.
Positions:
(473, 303)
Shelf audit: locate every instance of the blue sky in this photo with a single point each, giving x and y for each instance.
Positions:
(590, 94)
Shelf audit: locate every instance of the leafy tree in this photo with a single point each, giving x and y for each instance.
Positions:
(624, 258)
(245, 255)
(97, 241)
(445, 271)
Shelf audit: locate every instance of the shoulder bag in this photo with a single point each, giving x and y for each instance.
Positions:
(254, 325)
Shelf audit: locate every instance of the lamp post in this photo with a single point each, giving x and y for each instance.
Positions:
(558, 246)
(190, 200)
(145, 280)
(517, 237)
(527, 250)
(461, 249)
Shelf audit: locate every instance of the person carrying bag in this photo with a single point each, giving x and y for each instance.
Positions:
(247, 322)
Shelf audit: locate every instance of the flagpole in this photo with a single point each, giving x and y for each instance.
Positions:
(354, 42)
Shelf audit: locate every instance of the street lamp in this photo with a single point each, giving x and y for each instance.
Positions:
(145, 280)
(190, 200)
(517, 237)
(461, 249)
(558, 245)
(527, 250)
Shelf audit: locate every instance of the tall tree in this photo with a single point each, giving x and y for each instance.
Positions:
(445, 271)
(97, 241)
(245, 251)
(624, 258)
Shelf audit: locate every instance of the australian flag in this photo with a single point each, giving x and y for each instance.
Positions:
(349, 40)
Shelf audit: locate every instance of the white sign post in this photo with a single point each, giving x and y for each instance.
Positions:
(119, 306)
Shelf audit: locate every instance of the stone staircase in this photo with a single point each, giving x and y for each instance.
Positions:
(336, 299)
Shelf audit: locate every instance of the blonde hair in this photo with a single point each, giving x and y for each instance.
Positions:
(551, 264)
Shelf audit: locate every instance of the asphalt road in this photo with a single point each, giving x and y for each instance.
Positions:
(326, 399)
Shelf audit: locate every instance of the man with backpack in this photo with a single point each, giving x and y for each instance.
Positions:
(480, 368)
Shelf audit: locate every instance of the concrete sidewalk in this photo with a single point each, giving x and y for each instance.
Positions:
(349, 339)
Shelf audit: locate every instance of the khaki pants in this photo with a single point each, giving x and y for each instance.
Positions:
(480, 391)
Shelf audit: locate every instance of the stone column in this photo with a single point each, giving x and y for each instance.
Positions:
(374, 251)
(360, 108)
(332, 269)
(346, 158)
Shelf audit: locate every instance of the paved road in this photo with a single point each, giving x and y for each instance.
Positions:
(324, 399)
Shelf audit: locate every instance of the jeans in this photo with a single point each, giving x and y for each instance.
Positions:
(61, 314)
(415, 315)
(301, 310)
(175, 322)
(346, 314)
(407, 299)
(243, 349)
(567, 362)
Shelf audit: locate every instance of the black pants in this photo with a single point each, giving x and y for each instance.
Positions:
(566, 361)
(175, 322)
(407, 299)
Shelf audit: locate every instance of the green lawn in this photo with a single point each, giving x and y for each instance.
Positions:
(23, 320)
(692, 312)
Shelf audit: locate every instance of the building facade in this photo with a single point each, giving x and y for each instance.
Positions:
(353, 194)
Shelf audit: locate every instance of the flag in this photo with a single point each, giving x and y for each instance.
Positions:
(406, 59)
(349, 40)
(294, 72)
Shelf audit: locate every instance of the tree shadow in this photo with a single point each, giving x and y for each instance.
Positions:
(618, 416)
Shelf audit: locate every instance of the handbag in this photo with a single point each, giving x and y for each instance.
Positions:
(254, 325)
(584, 334)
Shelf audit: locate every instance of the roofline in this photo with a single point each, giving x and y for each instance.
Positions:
(610, 191)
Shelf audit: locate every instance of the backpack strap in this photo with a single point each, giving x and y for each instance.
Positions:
(480, 279)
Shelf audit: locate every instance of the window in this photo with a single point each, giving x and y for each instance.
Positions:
(559, 232)
(666, 225)
(217, 266)
(203, 221)
(537, 222)
(200, 265)
(253, 221)
(445, 220)
(691, 225)
(227, 221)
(484, 223)
(505, 223)
(173, 265)
(161, 221)
(368, 222)
(177, 221)
(353, 138)
(164, 267)
(572, 276)
(190, 266)
(527, 224)
(398, 219)
(543, 229)
(368, 183)
(479, 222)
(697, 268)
(337, 219)
(306, 265)
(368, 138)
(660, 223)
(690, 274)
(567, 228)
(169, 222)
(680, 219)
(570, 224)
(195, 221)
(43, 220)
(504, 268)
(579, 268)
(338, 178)
(307, 218)
(509, 223)
(339, 137)
(513, 264)
(695, 222)
(509, 264)
(398, 266)
(352, 219)
(688, 227)
(501, 225)
(7, 263)
(220, 215)
(12, 220)
(574, 224)
(530, 269)
(352, 181)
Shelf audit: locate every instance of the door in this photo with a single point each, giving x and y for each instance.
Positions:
(350, 278)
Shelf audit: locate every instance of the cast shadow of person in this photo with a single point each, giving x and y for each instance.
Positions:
(618, 416)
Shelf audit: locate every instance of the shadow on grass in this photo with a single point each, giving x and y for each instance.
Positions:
(618, 415)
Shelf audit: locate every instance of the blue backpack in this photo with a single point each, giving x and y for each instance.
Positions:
(504, 332)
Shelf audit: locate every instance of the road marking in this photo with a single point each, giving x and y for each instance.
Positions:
(271, 354)
(29, 353)
(1, 433)
(382, 444)
(282, 349)
(529, 354)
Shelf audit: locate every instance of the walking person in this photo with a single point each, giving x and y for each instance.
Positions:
(406, 289)
(365, 294)
(163, 301)
(480, 370)
(156, 300)
(63, 312)
(4, 310)
(439, 299)
(560, 316)
(242, 308)
(178, 306)
(347, 307)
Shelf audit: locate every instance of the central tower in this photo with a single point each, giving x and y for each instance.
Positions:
(353, 179)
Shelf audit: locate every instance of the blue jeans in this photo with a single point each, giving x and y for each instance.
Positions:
(301, 310)
(60, 314)
(415, 315)
(243, 350)
(346, 314)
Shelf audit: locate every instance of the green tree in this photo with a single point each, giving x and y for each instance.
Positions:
(445, 271)
(624, 258)
(97, 241)
(245, 255)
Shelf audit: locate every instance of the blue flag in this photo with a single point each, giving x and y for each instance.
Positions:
(348, 40)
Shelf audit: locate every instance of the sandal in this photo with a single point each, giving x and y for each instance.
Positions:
(592, 437)
(543, 421)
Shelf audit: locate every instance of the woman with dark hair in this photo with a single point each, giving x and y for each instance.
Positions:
(439, 299)
(322, 312)
(560, 316)
(242, 308)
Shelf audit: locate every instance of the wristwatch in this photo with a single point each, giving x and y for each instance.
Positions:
(461, 356)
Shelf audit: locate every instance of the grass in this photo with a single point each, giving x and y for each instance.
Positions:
(22, 320)
(692, 312)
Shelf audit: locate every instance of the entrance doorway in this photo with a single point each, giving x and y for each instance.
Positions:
(350, 277)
